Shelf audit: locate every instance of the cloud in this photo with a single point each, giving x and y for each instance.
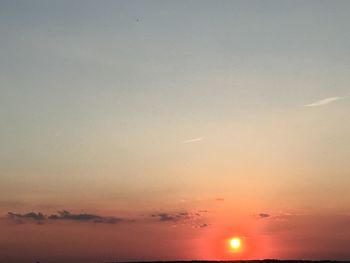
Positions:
(65, 215)
(285, 216)
(192, 219)
(324, 102)
(163, 217)
(278, 216)
(193, 140)
(21, 218)
(264, 215)
(202, 226)
(62, 215)
(219, 199)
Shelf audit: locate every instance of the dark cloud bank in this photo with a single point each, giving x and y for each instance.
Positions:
(21, 218)
(63, 216)
(193, 219)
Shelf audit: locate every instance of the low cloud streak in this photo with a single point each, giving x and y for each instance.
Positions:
(62, 216)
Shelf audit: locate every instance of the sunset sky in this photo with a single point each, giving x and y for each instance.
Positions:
(159, 130)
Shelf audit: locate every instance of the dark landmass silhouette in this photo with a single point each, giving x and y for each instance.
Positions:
(238, 261)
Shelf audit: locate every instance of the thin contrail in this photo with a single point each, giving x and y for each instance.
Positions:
(324, 101)
(193, 140)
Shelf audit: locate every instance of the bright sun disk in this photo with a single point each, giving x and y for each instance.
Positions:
(235, 243)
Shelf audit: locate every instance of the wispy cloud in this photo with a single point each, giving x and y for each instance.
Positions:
(193, 140)
(324, 102)
(192, 219)
(277, 216)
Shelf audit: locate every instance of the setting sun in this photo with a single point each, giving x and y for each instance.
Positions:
(235, 243)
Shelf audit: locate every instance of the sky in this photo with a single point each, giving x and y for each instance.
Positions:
(158, 130)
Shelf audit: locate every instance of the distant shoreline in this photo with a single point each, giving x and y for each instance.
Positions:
(227, 261)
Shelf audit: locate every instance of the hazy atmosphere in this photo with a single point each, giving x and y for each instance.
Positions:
(160, 130)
